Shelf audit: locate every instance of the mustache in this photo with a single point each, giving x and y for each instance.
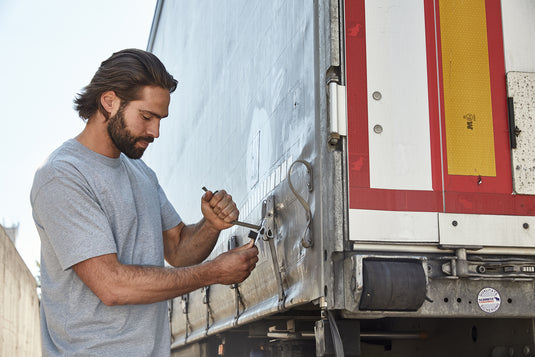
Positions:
(148, 139)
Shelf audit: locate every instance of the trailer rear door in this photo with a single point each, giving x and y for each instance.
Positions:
(429, 146)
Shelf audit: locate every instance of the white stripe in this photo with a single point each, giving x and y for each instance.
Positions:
(400, 156)
(393, 226)
(486, 230)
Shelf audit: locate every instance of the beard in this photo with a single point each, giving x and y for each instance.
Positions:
(123, 138)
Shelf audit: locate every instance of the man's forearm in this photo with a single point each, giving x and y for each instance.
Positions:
(195, 243)
(145, 285)
(119, 284)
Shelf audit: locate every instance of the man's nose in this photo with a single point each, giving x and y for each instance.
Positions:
(153, 128)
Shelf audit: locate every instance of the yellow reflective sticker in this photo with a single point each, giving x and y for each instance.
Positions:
(467, 96)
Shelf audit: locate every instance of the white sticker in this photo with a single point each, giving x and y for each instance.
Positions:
(489, 300)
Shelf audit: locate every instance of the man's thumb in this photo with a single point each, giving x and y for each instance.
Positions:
(246, 246)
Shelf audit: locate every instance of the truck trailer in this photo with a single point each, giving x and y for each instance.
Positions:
(382, 152)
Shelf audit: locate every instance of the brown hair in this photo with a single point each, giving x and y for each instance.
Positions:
(126, 72)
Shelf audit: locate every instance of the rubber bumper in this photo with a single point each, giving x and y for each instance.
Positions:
(393, 285)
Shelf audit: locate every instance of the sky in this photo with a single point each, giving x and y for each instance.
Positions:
(49, 52)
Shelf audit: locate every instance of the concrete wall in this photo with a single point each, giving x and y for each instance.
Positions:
(19, 304)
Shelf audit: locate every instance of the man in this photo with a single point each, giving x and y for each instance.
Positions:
(106, 225)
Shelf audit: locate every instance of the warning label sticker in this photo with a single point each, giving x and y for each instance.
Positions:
(489, 300)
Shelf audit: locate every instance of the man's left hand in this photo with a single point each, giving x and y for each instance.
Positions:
(219, 209)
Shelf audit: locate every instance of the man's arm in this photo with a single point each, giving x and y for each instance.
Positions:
(186, 245)
(119, 284)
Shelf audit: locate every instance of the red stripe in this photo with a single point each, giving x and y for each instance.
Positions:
(395, 200)
(434, 119)
(490, 203)
(357, 111)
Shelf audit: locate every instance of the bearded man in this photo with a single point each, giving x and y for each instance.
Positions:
(106, 225)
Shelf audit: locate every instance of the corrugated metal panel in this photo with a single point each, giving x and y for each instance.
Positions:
(243, 112)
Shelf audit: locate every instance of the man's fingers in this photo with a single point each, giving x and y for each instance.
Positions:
(217, 197)
(230, 210)
(246, 246)
(222, 205)
(208, 195)
(238, 263)
(219, 209)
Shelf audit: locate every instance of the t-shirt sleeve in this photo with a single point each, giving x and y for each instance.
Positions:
(73, 221)
(170, 217)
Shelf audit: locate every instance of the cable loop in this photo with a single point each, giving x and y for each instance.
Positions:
(306, 240)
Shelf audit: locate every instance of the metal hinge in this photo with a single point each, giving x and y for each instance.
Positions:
(337, 112)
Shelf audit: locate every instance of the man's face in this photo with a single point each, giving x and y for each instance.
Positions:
(137, 124)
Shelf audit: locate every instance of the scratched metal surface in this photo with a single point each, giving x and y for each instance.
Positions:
(245, 109)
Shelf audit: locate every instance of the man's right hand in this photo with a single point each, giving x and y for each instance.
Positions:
(235, 265)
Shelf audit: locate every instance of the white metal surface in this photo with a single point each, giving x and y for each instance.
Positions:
(391, 226)
(521, 87)
(433, 248)
(486, 230)
(519, 35)
(398, 108)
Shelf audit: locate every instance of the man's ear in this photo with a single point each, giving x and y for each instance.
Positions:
(109, 100)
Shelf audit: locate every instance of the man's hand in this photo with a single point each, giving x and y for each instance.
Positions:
(235, 265)
(186, 245)
(219, 209)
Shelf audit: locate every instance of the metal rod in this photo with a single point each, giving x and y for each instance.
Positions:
(393, 335)
(245, 224)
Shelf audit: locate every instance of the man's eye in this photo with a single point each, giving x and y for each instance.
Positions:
(146, 117)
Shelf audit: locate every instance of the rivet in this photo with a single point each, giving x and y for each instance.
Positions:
(378, 129)
(525, 225)
(377, 95)
(454, 223)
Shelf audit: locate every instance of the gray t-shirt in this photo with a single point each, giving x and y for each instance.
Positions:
(86, 205)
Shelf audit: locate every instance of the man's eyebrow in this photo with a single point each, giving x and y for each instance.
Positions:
(152, 113)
